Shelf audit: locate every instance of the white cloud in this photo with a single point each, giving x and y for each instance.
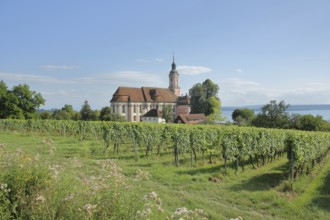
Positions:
(159, 59)
(123, 78)
(142, 61)
(239, 92)
(59, 67)
(134, 78)
(239, 70)
(156, 59)
(238, 82)
(193, 70)
(31, 78)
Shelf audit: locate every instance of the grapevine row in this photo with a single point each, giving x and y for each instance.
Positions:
(237, 145)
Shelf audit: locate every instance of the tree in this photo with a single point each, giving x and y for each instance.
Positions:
(213, 109)
(20, 102)
(243, 116)
(197, 98)
(3, 98)
(272, 115)
(28, 101)
(117, 117)
(86, 112)
(105, 113)
(204, 98)
(309, 122)
(66, 113)
(45, 115)
(95, 115)
(210, 88)
(167, 113)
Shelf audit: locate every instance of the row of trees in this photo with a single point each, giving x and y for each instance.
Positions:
(274, 115)
(22, 103)
(86, 114)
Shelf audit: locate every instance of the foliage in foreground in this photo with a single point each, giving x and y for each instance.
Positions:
(34, 187)
(255, 194)
(41, 187)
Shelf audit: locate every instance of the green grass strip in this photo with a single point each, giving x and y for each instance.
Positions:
(312, 189)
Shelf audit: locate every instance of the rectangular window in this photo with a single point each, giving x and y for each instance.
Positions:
(134, 118)
(134, 108)
(113, 109)
(123, 109)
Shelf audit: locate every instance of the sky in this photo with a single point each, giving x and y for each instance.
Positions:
(255, 50)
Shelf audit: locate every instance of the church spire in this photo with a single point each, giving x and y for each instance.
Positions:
(173, 64)
(174, 79)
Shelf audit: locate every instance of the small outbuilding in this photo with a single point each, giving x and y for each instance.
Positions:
(190, 119)
(154, 115)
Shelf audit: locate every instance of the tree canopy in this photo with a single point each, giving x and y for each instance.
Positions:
(167, 113)
(87, 114)
(273, 115)
(66, 113)
(309, 123)
(204, 98)
(243, 116)
(19, 102)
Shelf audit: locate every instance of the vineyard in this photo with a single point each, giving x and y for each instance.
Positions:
(237, 146)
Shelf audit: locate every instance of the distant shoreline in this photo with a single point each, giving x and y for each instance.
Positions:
(291, 107)
(323, 110)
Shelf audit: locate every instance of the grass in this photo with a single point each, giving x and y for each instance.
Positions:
(254, 194)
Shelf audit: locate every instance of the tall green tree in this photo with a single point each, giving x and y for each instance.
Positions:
(105, 113)
(210, 88)
(273, 115)
(197, 98)
(167, 113)
(204, 98)
(86, 112)
(20, 102)
(3, 99)
(29, 101)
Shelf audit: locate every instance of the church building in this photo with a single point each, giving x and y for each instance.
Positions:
(133, 103)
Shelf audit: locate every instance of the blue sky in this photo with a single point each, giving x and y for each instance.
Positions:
(255, 50)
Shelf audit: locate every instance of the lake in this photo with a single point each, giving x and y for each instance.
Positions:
(323, 110)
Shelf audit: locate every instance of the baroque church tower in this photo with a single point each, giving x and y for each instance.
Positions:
(174, 80)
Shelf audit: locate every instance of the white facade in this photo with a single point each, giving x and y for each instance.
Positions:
(134, 111)
(133, 103)
(153, 119)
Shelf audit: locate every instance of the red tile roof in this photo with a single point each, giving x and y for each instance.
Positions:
(144, 94)
(190, 118)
